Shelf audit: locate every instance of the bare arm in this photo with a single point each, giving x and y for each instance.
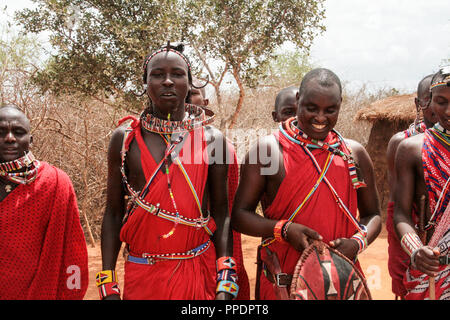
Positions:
(390, 156)
(408, 162)
(218, 196)
(114, 212)
(252, 185)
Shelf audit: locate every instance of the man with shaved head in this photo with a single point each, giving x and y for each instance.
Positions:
(285, 104)
(321, 183)
(398, 260)
(43, 252)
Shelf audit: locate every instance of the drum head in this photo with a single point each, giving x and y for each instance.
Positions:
(323, 273)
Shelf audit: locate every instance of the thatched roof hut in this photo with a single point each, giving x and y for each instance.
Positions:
(388, 116)
(392, 109)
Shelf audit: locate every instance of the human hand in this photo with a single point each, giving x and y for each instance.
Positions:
(348, 247)
(300, 236)
(426, 260)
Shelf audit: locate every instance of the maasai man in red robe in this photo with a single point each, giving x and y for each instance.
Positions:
(177, 235)
(43, 252)
(423, 170)
(300, 203)
(398, 259)
(197, 96)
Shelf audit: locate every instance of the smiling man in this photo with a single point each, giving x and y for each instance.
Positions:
(299, 203)
(43, 252)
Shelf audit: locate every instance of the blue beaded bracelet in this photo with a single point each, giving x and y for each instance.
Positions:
(228, 286)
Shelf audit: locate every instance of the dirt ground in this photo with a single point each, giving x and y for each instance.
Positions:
(373, 262)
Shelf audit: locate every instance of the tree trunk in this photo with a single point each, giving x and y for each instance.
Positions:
(233, 118)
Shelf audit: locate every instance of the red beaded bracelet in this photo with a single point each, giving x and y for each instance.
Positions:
(108, 289)
(277, 230)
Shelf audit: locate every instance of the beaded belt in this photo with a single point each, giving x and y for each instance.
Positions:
(153, 258)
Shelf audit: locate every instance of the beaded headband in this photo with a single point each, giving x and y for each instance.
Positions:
(446, 82)
(168, 49)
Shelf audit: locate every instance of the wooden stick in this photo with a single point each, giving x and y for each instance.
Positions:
(432, 284)
(422, 232)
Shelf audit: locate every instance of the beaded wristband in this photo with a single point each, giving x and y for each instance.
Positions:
(228, 286)
(105, 276)
(410, 242)
(227, 274)
(277, 230)
(226, 263)
(108, 289)
(285, 229)
(361, 239)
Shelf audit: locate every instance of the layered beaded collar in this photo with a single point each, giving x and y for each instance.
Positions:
(290, 130)
(441, 133)
(196, 117)
(21, 171)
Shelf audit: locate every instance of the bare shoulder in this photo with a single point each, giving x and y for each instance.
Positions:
(357, 148)
(115, 144)
(395, 141)
(411, 148)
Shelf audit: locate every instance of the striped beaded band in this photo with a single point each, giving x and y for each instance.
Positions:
(361, 239)
(18, 164)
(197, 117)
(446, 82)
(168, 49)
(108, 289)
(410, 242)
(224, 263)
(277, 230)
(228, 286)
(105, 276)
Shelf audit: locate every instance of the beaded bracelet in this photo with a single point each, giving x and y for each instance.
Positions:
(227, 274)
(228, 286)
(361, 239)
(105, 276)
(410, 243)
(226, 263)
(108, 289)
(285, 229)
(277, 230)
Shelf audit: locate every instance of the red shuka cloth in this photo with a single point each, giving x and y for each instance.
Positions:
(177, 279)
(398, 259)
(320, 212)
(43, 252)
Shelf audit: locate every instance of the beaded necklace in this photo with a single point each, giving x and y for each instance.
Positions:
(10, 170)
(299, 137)
(290, 129)
(165, 128)
(440, 133)
(197, 117)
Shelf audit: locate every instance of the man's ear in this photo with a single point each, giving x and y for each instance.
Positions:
(31, 140)
(416, 102)
(206, 102)
(274, 116)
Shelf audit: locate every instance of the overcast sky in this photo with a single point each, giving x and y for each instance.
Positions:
(379, 43)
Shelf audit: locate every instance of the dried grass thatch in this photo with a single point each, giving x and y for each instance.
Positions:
(392, 109)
